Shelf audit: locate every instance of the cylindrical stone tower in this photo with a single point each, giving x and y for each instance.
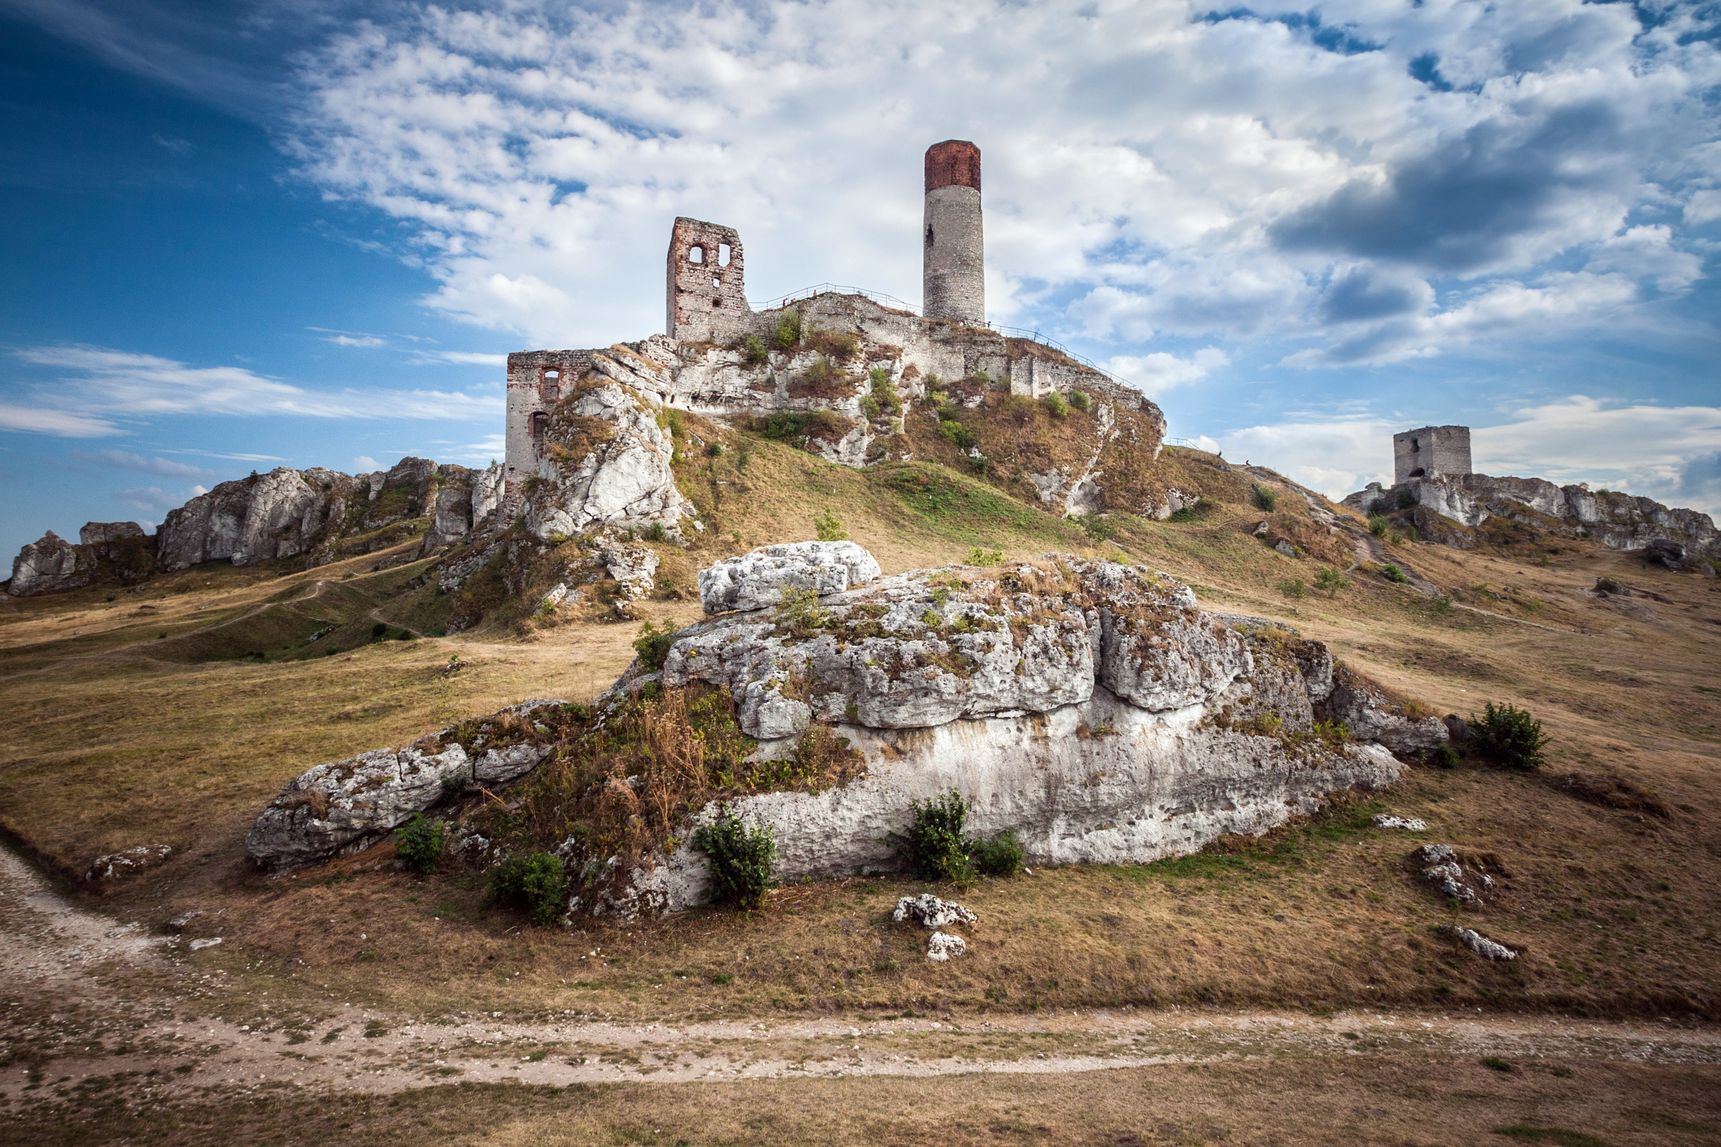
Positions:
(953, 278)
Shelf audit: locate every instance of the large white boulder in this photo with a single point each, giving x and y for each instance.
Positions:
(762, 577)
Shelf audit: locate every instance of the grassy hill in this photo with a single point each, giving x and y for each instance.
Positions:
(171, 712)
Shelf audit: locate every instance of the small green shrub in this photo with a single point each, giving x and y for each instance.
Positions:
(714, 449)
(787, 336)
(1265, 498)
(1329, 581)
(652, 645)
(1377, 525)
(1444, 756)
(957, 433)
(418, 844)
(740, 858)
(933, 847)
(534, 883)
(754, 351)
(1081, 400)
(979, 556)
(999, 856)
(828, 528)
(1294, 587)
(883, 394)
(1405, 497)
(1392, 573)
(656, 533)
(1056, 405)
(1507, 737)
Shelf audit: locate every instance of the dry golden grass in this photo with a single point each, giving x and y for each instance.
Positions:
(1617, 908)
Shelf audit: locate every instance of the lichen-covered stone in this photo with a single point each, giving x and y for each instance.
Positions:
(929, 911)
(761, 577)
(1372, 716)
(942, 946)
(341, 805)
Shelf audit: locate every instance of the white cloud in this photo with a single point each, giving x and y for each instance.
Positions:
(126, 460)
(364, 463)
(1160, 172)
(360, 341)
(1159, 372)
(61, 423)
(102, 386)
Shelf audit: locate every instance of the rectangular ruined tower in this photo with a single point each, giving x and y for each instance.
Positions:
(1430, 451)
(707, 291)
(953, 271)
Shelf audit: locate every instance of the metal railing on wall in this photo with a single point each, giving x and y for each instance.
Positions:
(892, 301)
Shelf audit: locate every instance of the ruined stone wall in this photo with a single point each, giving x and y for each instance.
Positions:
(706, 293)
(1430, 450)
(537, 380)
(953, 275)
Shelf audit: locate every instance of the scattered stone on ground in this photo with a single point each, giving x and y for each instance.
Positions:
(1478, 943)
(1408, 823)
(206, 942)
(942, 946)
(928, 910)
(127, 861)
(1444, 869)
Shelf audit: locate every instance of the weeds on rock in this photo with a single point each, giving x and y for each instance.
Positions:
(1507, 737)
(740, 858)
(787, 336)
(935, 847)
(418, 844)
(652, 646)
(828, 528)
(1392, 573)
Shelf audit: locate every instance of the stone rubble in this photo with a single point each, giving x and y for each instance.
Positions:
(1443, 868)
(1480, 944)
(1407, 823)
(127, 861)
(943, 946)
(931, 912)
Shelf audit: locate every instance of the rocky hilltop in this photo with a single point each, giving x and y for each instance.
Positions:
(316, 514)
(1621, 521)
(1094, 709)
(846, 378)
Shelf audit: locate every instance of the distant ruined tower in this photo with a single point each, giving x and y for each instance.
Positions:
(707, 289)
(954, 274)
(1430, 451)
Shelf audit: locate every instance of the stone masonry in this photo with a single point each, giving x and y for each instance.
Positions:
(707, 290)
(1430, 450)
(953, 277)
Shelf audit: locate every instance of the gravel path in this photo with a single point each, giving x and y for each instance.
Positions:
(87, 999)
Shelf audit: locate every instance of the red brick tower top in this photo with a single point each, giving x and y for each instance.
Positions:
(953, 163)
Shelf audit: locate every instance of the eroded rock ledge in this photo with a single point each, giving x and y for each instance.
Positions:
(1092, 708)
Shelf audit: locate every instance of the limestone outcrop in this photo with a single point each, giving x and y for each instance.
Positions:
(1617, 520)
(1093, 709)
(318, 515)
(343, 805)
(606, 463)
(50, 564)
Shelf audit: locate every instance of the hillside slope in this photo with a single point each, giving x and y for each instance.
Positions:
(125, 731)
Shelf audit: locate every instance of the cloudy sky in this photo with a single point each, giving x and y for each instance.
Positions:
(307, 234)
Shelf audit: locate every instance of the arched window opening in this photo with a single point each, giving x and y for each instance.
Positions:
(696, 254)
(539, 423)
(722, 254)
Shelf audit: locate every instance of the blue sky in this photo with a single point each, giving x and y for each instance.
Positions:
(306, 234)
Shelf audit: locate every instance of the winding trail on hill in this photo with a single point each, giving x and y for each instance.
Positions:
(89, 1000)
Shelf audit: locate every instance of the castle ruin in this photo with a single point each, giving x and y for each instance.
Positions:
(1430, 451)
(699, 363)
